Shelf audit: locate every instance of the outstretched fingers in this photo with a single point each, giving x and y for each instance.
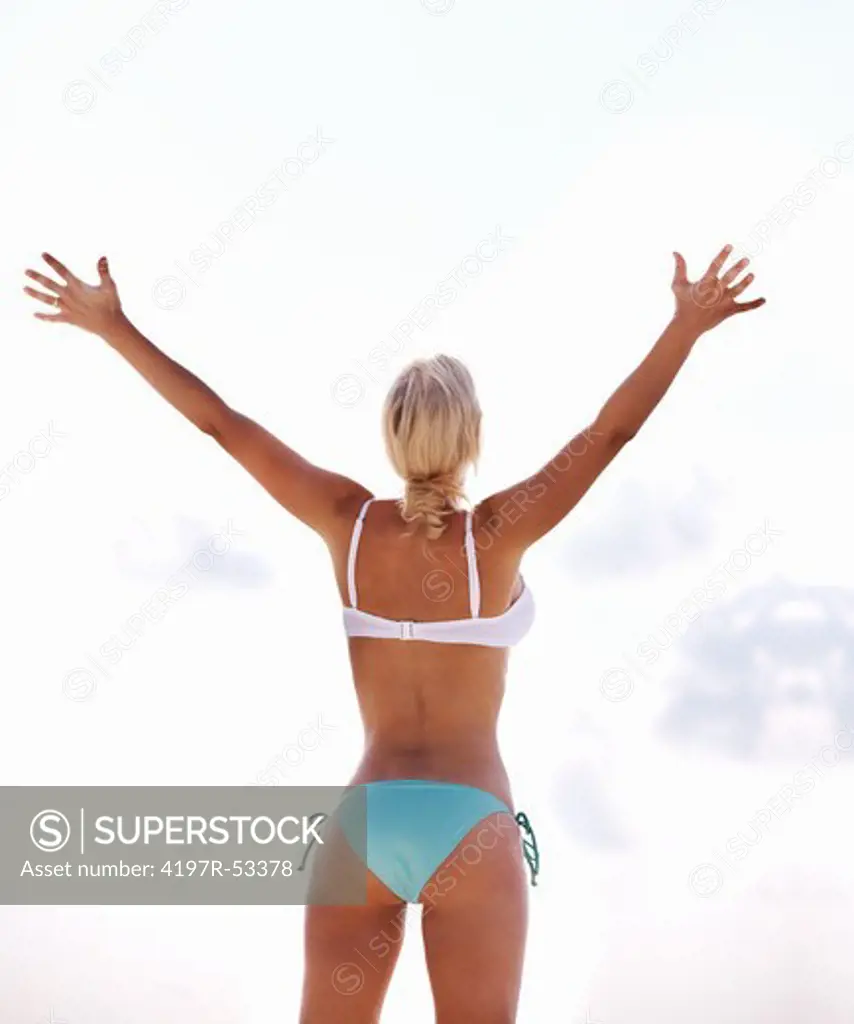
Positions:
(738, 288)
(60, 269)
(50, 300)
(104, 271)
(734, 271)
(718, 262)
(745, 307)
(58, 318)
(54, 300)
(47, 282)
(680, 271)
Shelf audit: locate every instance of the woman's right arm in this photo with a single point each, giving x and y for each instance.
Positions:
(521, 514)
(314, 495)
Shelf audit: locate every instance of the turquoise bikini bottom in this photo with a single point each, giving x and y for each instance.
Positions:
(409, 827)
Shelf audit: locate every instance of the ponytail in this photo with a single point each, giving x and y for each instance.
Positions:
(428, 501)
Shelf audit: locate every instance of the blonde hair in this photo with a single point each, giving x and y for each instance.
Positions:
(431, 424)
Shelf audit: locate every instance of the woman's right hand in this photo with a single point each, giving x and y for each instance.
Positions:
(94, 308)
(705, 303)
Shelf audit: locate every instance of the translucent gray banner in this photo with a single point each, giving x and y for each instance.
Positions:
(234, 845)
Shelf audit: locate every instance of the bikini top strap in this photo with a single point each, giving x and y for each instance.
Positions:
(474, 579)
(354, 547)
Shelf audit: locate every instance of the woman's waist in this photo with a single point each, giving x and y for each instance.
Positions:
(479, 765)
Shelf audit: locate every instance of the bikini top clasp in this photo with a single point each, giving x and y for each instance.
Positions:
(503, 630)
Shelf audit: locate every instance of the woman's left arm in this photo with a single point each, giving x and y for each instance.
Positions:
(522, 514)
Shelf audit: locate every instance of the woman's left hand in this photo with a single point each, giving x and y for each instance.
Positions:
(705, 303)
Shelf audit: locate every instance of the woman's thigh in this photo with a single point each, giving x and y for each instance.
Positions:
(474, 926)
(350, 953)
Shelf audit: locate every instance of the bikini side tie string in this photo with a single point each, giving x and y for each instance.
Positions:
(317, 816)
(529, 846)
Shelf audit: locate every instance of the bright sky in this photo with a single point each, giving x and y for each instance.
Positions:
(279, 188)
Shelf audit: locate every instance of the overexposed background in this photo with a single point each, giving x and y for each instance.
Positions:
(686, 770)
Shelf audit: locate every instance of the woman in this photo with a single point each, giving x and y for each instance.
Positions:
(432, 600)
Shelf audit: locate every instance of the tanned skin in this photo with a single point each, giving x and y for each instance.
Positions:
(429, 710)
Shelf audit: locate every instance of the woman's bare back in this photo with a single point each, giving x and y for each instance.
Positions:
(429, 710)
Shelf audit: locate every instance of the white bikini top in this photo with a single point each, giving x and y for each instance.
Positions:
(503, 630)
